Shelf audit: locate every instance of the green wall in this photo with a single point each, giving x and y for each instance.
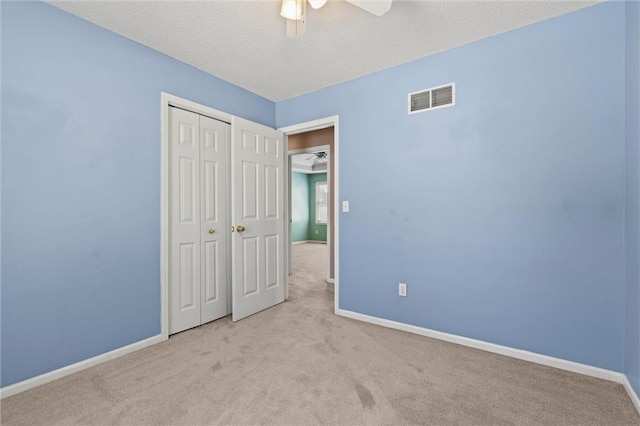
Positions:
(316, 232)
(299, 207)
(303, 212)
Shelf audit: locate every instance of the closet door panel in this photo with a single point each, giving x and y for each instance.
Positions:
(214, 136)
(184, 220)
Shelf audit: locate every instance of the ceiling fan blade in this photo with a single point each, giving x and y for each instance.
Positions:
(377, 7)
(317, 4)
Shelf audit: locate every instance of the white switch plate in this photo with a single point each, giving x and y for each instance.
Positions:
(345, 206)
(402, 289)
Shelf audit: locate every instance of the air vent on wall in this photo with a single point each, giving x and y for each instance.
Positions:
(429, 99)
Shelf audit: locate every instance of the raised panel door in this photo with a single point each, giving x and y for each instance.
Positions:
(257, 206)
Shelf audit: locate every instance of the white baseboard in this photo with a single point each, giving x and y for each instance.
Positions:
(330, 280)
(549, 361)
(78, 366)
(632, 393)
(309, 241)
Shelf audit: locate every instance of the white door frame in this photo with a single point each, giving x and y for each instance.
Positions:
(167, 100)
(321, 123)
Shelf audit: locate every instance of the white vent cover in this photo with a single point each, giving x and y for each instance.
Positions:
(434, 98)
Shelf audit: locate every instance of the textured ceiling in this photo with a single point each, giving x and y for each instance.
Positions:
(245, 42)
(307, 162)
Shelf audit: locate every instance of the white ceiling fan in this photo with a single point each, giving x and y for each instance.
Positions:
(318, 157)
(295, 12)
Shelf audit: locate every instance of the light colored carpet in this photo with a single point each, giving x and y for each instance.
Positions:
(297, 363)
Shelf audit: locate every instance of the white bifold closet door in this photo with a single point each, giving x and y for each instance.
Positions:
(198, 222)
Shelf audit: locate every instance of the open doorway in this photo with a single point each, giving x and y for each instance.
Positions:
(309, 195)
(313, 135)
(311, 166)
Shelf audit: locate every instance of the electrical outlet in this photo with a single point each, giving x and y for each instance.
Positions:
(402, 289)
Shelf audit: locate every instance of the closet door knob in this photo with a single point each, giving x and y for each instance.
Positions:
(211, 231)
(240, 228)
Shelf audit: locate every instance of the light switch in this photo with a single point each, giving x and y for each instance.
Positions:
(345, 207)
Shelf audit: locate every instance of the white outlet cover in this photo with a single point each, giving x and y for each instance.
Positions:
(402, 289)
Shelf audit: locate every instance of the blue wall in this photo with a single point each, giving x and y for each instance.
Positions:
(81, 184)
(299, 206)
(632, 189)
(504, 214)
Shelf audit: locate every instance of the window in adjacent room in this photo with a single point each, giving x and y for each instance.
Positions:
(322, 212)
